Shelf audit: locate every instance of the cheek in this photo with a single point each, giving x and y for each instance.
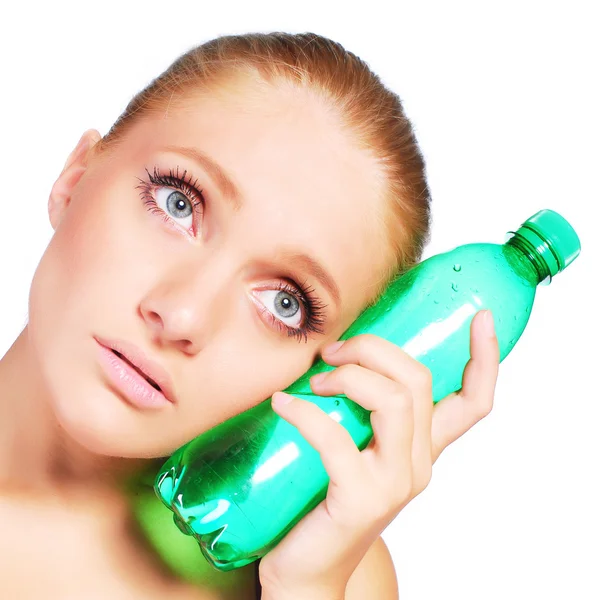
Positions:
(84, 282)
(84, 285)
(75, 275)
(244, 368)
(101, 262)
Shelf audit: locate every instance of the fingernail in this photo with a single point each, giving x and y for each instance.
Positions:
(332, 348)
(281, 398)
(488, 323)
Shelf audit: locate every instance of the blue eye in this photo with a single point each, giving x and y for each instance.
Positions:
(286, 300)
(175, 204)
(285, 304)
(173, 197)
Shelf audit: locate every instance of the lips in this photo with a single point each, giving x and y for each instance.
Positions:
(149, 369)
(148, 379)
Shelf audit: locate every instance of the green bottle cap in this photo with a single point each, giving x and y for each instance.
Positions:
(553, 238)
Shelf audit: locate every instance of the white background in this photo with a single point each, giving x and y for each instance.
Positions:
(504, 98)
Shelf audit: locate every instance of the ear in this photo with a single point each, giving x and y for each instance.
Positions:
(74, 168)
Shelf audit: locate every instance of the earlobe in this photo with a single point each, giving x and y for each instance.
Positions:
(74, 168)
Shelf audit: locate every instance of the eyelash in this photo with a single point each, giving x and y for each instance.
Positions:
(312, 305)
(172, 180)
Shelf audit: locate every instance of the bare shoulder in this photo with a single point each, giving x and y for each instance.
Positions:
(62, 532)
(375, 576)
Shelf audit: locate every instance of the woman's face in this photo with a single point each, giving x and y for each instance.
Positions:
(197, 288)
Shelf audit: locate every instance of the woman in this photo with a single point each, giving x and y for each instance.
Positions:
(236, 219)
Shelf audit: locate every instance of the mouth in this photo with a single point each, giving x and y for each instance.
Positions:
(148, 379)
(144, 365)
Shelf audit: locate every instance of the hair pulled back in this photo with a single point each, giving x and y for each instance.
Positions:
(371, 112)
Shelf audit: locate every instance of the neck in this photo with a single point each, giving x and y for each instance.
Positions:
(35, 451)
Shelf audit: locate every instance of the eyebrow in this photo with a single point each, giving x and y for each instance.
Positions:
(229, 190)
(220, 177)
(314, 267)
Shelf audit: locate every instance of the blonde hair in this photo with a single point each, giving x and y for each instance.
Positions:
(367, 108)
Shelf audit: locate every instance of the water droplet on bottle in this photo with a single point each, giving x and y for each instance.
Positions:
(455, 287)
(436, 301)
(336, 402)
(457, 267)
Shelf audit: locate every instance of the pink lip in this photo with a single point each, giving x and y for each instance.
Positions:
(126, 378)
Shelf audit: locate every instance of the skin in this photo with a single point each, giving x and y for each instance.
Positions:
(116, 270)
(330, 553)
(183, 294)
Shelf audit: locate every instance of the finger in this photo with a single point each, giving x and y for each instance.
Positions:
(380, 355)
(459, 411)
(339, 454)
(391, 403)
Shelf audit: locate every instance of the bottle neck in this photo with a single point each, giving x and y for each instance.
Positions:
(534, 256)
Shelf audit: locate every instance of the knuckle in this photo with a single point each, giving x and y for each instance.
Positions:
(367, 338)
(424, 477)
(338, 437)
(402, 492)
(484, 407)
(348, 372)
(367, 342)
(424, 376)
(401, 397)
(358, 344)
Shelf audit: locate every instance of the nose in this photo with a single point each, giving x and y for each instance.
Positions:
(184, 307)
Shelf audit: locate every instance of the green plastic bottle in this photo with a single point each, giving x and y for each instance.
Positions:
(241, 486)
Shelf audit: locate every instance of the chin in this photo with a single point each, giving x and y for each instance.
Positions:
(101, 422)
(97, 418)
(98, 432)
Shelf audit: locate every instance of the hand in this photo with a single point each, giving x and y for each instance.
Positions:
(368, 489)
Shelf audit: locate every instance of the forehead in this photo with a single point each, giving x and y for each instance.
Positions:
(302, 179)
